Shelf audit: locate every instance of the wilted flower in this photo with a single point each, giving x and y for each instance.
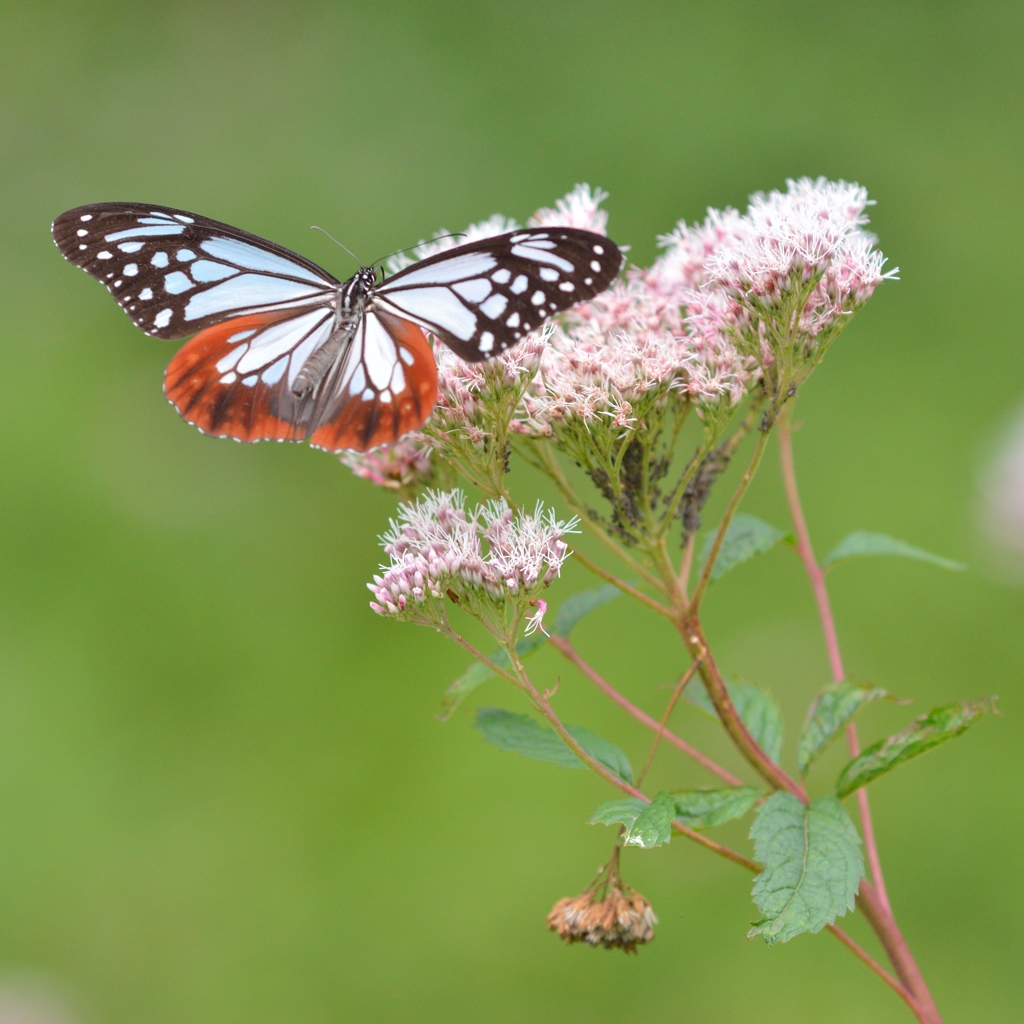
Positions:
(402, 467)
(607, 913)
(483, 558)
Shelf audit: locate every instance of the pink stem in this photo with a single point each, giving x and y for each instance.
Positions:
(601, 683)
(816, 575)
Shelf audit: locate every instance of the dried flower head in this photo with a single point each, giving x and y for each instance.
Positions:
(403, 467)
(607, 913)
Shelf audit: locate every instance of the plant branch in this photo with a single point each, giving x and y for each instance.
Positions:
(863, 955)
(730, 511)
(626, 588)
(641, 716)
(684, 679)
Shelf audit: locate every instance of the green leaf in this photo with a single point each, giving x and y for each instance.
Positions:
(812, 866)
(928, 731)
(618, 812)
(582, 604)
(478, 673)
(524, 735)
(756, 707)
(569, 614)
(863, 543)
(706, 808)
(747, 536)
(829, 712)
(653, 826)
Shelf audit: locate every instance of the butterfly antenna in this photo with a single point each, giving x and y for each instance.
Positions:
(313, 227)
(436, 238)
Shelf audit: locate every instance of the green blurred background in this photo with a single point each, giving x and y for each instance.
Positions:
(223, 792)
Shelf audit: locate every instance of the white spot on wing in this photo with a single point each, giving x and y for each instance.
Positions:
(162, 319)
(274, 373)
(130, 246)
(206, 270)
(566, 286)
(547, 274)
(231, 359)
(599, 250)
(82, 232)
(537, 298)
(475, 290)
(131, 270)
(513, 320)
(187, 220)
(537, 255)
(595, 266)
(159, 228)
(104, 255)
(185, 255)
(176, 282)
(407, 357)
(239, 336)
(520, 284)
(159, 259)
(494, 306)
(86, 216)
(486, 341)
(501, 276)
(146, 294)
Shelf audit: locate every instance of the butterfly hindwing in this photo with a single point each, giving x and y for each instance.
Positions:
(176, 273)
(237, 379)
(481, 298)
(386, 387)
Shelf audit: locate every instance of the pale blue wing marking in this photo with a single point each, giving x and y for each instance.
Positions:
(379, 353)
(527, 252)
(161, 229)
(434, 306)
(206, 270)
(176, 282)
(247, 290)
(455, 269)
(279, 339)
(252, 258)
(307, 348)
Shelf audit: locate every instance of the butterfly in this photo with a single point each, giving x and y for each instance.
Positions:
(284, 351)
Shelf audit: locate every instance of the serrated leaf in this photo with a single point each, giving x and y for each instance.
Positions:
(812, 866)
(582, 604)
(706, 808)
(924, 733)
(618, 812)
(756, 707)
(829, 712)
(478, 673)
(863, 543)
(653, 826)
(521, 734)
(746, 537)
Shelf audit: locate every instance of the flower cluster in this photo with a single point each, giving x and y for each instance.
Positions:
(491, 560)
(623, 919)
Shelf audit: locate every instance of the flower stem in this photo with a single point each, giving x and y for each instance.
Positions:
(602, 684)
(872, 898)
(817, 577)
(730, 511)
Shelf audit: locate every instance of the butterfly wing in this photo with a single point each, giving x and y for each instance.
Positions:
(482, 298)
(236, 380)
(176, 273)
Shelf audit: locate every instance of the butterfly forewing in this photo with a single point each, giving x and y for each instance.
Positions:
(481, 298)
(176, 273)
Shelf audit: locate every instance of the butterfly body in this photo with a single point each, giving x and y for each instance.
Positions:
(284, 351)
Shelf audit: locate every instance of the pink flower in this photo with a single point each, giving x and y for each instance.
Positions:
(399, 467)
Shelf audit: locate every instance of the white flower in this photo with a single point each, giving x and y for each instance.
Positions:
(437, 547)
(579, 208)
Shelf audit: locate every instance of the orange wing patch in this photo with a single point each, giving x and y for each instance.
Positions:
(193, 385)
(363, 424)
